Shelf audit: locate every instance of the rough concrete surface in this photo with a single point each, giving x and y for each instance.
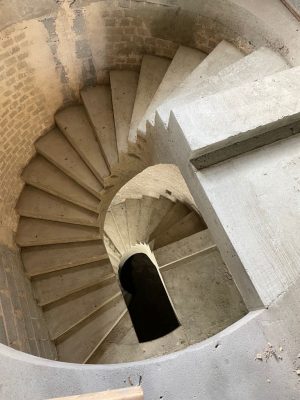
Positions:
(49, 50)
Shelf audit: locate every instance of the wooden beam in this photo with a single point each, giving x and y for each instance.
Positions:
(132, 393)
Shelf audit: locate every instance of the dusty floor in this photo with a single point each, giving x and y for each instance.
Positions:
(206, 301)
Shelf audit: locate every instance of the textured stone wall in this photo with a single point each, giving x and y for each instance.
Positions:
(21, 322)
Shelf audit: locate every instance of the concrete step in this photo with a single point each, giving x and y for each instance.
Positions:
(221, 56)
(78, 291)
(113, 253)
(43, 260)
(64, 314)
(98, 104)
(159, 210)
(182, 65)
(56, 149)
(249, 122)
(176, 213)
(200, 241)
(153, 70)
(81, 322)
(36, 203)
(81, 343)
(111, 230)
(43, 175)
(36, 232)
(146, 206)
(185, 227)
(114, 325)
(74, 124)
(133, 210)
(256, 65)
(123, 88)
(120, 218)
(59, 285)
(122, 345)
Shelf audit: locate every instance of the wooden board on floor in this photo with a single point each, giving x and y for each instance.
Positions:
(132, 393)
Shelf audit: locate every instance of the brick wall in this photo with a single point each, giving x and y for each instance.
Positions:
(45, 62)
(21, 322)
(22, 119)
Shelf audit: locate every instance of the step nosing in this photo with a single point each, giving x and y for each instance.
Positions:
(59, 337)
(54, 241)
(105, 336)
(63, 267)
(69, 173)
(40, 186)
(57, 219)
(102, 282)
(172, 264)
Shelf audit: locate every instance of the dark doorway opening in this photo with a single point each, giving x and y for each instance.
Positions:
(147, 300)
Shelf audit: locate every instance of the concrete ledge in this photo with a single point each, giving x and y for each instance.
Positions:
(246, 145)
(221, 367)
(240, 119)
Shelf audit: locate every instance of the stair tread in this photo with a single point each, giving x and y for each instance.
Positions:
(120, 217)
(42, 174)
(98, 104)
(146, 204)
(123, 88)
(184, 62)
(105, 336)
(177, 212)
(77, 346)
(159, 210)
(95, 311)
(42, 259)
(122, 345)
(74, 124)
(59, 285)
(36, 203)
(78, 291)
(220, 57)
(152, 72)
(33, 232)
(68, 313)
(133, 209)
(187, 226)
(184, 247)
(112, 232)
(257, 65)
(56, 149)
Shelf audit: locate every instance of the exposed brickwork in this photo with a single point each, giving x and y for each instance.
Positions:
(22, 119)
(128, 36)
(21, 322)
(120, 33)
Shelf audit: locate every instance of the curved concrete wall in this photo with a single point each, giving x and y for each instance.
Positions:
(50, 49)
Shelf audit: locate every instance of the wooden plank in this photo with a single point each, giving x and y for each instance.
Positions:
(132, 393)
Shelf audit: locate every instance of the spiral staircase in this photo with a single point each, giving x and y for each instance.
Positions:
(71, 234)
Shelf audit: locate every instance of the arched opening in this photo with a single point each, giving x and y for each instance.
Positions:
(147, 300)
